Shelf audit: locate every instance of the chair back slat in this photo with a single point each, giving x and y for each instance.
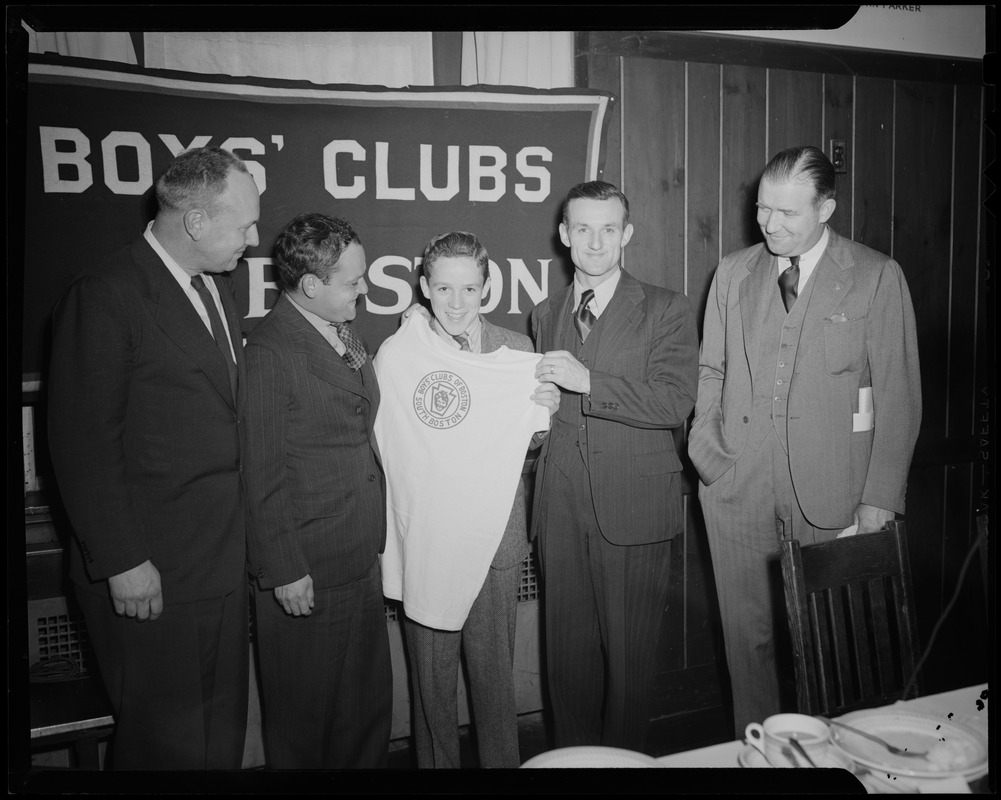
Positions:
(851, 618)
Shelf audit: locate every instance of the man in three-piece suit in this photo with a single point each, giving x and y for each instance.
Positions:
(808, 408)
(317, 515)
(608, 487)
(145, 443)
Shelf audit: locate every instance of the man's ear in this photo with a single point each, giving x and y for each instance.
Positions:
(564, 235)
(827, 208)
(194, 223)
(308, 285)
(627, 234)
(425, 288)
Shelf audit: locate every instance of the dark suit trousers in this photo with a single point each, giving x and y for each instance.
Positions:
(747, 511)
(326, 678)
(604, 606)
(178, 685)
(487, 639)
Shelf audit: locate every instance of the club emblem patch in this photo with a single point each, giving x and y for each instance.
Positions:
(441, 400)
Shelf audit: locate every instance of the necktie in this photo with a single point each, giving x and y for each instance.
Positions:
(218, 329)
(788, 282)
(583, 318)
(354, 353)
(463, 341)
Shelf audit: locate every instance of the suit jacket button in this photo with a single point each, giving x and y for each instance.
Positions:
(358, 410)
(371, 478)
(745, 419)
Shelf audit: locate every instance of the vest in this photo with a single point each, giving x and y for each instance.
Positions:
(570, 421)
(773, 370)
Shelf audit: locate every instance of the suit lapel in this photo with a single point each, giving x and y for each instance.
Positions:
(755, 295)
(620, 319)
(178, 319)
(321, 359)
(832, 279)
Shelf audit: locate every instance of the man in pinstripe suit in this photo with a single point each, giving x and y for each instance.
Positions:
(608, 488)
(808, 409)
(317, 510)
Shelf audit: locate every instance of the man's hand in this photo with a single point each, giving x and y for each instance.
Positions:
(547, 394)
(296, 598)
(872, 519)
(560, 367)
(418, 308)
(137, 593)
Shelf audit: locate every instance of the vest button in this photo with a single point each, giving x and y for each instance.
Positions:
(745, 419)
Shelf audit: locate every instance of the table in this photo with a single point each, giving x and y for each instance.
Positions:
(968, 706)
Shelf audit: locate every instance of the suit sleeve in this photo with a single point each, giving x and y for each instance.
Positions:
(891, 340)
(272, 540)
(663, 393)
(705, 441)
(94, 344)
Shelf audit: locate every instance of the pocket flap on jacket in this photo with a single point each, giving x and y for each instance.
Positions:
(657, 463)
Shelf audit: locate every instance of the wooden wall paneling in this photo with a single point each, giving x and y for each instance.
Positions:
(795, 109)
(743, 153)
(653, 143)
(603, 73)
(923, 147)
(969, 634)
(872, 166)
(839, 120)
(702, 172)
(921, 244)
(965, 273)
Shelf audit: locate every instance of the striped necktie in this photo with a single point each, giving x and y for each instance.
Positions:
(583, 318)
(463, 341)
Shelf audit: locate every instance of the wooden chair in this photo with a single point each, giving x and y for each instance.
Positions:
(851, 618)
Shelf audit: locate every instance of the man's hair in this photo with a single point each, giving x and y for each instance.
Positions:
(595, 190)
(311, 244)
(197, 178)
(457, 244)
(803, 165)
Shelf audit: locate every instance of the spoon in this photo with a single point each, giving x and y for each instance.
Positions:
(799, 749)
(895, 750)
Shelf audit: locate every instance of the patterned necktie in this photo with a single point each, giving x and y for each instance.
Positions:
(583, 318)
(463, 341)
(788, 283)
(218, 329)
(354, 349)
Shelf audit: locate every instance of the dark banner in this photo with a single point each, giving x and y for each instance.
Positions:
(401, 165)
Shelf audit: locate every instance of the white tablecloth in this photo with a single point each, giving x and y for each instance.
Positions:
(964, 706)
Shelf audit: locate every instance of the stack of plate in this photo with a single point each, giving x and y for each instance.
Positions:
(954, 750)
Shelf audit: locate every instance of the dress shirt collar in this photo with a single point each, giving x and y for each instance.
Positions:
(474, 332)
(318, 322)
(602, 293)
(807, 261)
(182, 277)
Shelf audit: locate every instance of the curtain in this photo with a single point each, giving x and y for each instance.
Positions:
(106, 46)
(391, 59)
(539, 59)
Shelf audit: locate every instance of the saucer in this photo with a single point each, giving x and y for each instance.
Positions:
(830, 759)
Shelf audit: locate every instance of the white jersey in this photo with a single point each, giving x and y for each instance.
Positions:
(453, 428)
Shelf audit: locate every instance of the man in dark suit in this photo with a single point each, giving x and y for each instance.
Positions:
(808, 410)
(608, 487)
(146, 361)
(317, 510)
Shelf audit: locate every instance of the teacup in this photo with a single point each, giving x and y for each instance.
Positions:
(772, 739)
